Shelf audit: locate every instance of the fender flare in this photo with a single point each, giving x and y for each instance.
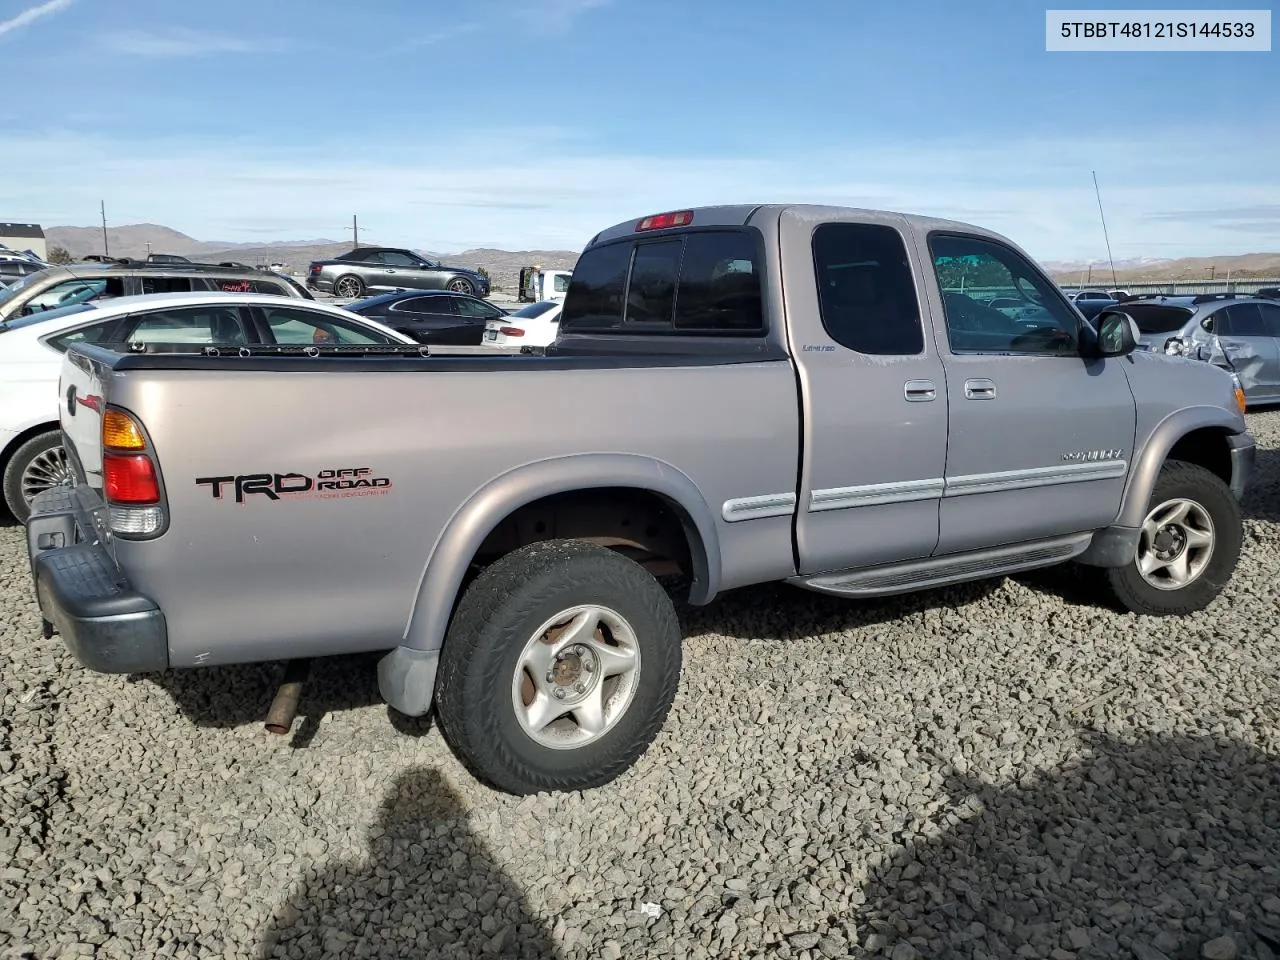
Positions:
(475, 519)
(1146, 468)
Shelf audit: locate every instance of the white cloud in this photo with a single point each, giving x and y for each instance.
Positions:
(185, 42)
(32, 14)
(532, 188)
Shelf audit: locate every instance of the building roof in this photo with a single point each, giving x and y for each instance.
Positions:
(29, 231)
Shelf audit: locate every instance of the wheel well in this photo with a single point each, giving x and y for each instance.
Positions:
(640, 524)
(1206, 447)
(22, 438)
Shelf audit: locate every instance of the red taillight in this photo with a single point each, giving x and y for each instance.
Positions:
(662, 221)
(511, 331)
(315, 268)
(129, 478)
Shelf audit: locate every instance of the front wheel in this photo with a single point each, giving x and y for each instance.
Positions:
(558, 669)
(461, 285)
(1188, 546)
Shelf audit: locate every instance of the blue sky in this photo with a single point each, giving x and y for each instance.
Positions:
(535, 124)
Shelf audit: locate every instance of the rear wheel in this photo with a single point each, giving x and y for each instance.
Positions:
(39, 464)
(1188, 547)
(348, 286)
(559, 668)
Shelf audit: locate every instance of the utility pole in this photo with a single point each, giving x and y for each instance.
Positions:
(355, 230)
(106, 252)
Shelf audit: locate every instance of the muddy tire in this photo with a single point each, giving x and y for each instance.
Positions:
(558, 669)
(1188, 549)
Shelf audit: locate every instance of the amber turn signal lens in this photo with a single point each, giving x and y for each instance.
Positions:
(121, 432)
(1240, 399)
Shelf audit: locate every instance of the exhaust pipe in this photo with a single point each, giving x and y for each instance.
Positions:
(285, 705)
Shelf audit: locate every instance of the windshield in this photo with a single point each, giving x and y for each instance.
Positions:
(1157, 317)
(535, 309)
(17, 323)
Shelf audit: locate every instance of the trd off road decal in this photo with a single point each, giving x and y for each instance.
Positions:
(325, 485)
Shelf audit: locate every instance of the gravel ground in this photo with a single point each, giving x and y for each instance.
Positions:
(1001, 770)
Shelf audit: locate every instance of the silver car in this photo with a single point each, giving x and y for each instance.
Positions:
(1238, 333)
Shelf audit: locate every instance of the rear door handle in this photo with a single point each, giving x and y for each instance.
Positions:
(919, 391)
(980, 389)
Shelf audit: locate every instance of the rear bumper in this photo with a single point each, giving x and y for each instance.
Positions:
(106, 625)
(322, 284)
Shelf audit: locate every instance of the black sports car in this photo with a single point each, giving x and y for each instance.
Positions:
(431, 316)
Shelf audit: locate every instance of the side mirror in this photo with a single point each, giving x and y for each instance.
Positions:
(1117, 333)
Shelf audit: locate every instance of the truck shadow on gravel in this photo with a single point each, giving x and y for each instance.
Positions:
(236, 696)
(427, 888)
(1146, 850)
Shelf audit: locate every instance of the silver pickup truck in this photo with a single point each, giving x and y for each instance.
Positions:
(738, 394)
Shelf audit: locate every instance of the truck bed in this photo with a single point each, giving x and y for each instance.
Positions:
(338, 570)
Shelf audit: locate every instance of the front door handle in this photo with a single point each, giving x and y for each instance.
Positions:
(919, 391)
(980, 389)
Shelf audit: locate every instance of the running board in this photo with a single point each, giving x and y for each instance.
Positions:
(941, 571)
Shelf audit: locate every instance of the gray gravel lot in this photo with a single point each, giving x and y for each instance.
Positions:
(999, 770)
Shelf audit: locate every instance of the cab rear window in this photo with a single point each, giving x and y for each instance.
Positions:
(698, 283)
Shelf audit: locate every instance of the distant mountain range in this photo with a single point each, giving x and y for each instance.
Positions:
(504, 265)
(132, 241)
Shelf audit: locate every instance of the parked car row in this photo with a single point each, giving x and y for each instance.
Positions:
(139, 305)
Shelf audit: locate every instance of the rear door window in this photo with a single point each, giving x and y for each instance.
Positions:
(298, 325)
(866, 295)
(437, 306)
(1244, 320)
(1270, 318)
(476, 308)
(204, 325)
(165, 284)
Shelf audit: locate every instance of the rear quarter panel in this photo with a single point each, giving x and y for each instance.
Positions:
(265, 579)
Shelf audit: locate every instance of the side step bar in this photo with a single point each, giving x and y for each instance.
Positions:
(930, 572)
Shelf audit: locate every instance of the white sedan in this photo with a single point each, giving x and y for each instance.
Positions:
(533, 326)
(32, 458)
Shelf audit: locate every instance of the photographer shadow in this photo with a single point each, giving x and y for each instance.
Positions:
(427, 888)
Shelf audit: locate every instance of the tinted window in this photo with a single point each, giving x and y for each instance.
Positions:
(1156, 317)
(651, 294)
(1243, 320)
(298, 325)
(535, 309)
(865, 293)
(394, 259)
(560, 283)
(436, 305)
(165, 284)
(969, 268)
(95, 333)
(211, 324)
(1270, 318)
(476, 308)
(595, 296)
(719, 284)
